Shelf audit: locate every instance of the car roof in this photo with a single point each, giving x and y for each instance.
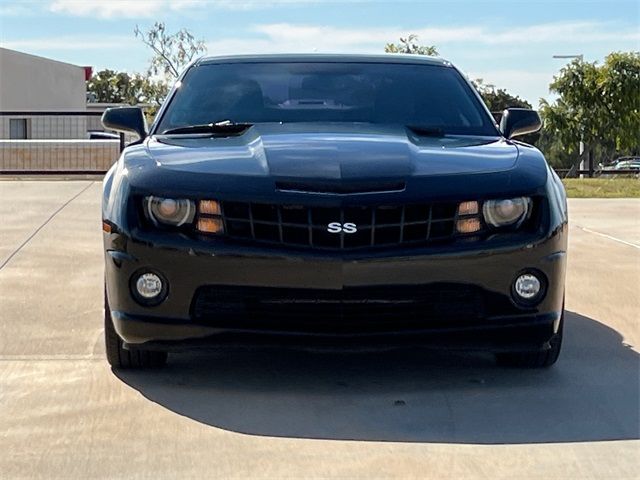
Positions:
(323, 57)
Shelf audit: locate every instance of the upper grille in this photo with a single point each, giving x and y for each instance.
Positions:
(307, 227)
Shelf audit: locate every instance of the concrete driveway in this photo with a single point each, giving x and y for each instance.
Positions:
(282, 413)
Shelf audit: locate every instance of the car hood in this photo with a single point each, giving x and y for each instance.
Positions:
(332, 152)
(272, 159)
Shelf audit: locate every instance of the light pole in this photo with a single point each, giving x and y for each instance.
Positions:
(580, 57)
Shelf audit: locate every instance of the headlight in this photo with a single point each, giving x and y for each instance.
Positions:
(507, 212)
(170, 211)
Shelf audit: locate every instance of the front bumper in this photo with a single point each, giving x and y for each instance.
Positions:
(189, 266)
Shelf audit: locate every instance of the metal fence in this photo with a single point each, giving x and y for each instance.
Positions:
(57, 142)
(596, 173)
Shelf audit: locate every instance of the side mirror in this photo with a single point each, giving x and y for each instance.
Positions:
(519, 121)
(125, 119)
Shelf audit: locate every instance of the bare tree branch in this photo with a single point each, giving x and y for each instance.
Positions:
(172, 52)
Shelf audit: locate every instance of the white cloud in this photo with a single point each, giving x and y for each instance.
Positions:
(254, 4)
(282, 37)
(69, 43)
(152, 8)
(565, 32)
(107, 9)
(361, 37)
(14, 10)
(19, 8)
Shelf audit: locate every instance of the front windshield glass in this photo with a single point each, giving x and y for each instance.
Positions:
(416, 95)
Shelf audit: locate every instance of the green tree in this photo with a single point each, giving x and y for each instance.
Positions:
(109, 86)
(172, 52)
(497, 99)
(554, 151)
(598, 104)
(410, 45)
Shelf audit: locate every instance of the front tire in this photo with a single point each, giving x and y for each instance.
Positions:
(121, 358)
(536, 359)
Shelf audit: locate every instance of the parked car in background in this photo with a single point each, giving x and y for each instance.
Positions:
(102, 135)
(627, 165)
(623, 163)
(339, 198)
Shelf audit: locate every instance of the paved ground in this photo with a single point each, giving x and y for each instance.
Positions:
(266, 413)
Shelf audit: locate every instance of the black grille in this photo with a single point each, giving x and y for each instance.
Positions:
(304, 226)
(352, 309)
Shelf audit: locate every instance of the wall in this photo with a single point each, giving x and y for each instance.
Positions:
(31, 83)
(52, 155)
(50, 127)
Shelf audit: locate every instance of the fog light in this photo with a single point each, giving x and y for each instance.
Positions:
(149, 286)
(527, 286)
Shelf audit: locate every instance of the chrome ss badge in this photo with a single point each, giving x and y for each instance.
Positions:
(337, 227)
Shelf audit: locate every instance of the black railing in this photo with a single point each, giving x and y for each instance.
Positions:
(568, 172)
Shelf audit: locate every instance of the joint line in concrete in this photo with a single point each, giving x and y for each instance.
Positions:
(51, 217)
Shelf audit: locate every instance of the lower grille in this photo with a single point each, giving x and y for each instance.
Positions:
(340, 228)
(350, 310)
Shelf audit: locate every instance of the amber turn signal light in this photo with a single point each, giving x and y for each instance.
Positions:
(468, 225)
(468, 208)
(210, 207)
(210, 225)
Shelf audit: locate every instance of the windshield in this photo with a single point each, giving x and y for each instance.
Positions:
(416, 95)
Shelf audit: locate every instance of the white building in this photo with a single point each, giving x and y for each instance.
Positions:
(44, 118)
(32, 84)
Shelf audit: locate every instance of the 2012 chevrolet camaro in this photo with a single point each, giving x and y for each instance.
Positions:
(332, 199)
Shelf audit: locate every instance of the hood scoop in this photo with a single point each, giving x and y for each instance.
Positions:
(340, 188)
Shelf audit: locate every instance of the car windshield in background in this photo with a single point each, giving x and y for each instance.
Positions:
(425, 96)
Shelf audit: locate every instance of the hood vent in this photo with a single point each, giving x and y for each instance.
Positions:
(340, 188)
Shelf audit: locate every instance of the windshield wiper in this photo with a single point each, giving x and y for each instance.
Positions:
(426, 130)
(225, 128)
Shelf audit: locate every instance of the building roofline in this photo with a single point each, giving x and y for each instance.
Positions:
(39, 57)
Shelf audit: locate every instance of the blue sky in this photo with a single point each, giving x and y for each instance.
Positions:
(508, 44)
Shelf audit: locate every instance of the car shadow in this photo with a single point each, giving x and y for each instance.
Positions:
(591, 394)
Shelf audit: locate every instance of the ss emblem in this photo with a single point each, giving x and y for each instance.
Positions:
(337, 227)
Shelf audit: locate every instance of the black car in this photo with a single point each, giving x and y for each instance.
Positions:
(331, 199)
(101, 135)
